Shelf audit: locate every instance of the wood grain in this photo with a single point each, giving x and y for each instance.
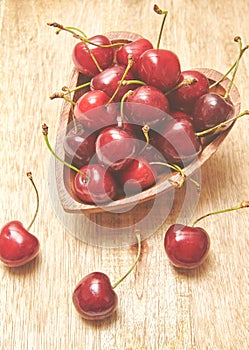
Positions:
(159, 307)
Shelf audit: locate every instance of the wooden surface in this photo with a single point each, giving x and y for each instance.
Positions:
(159, 307)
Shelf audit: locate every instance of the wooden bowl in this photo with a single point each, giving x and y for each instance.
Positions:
(64, 176)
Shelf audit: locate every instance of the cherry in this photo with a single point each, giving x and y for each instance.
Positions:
(109, 81)
(159, 68)
(116, 148)
(146, 105)
(184, 97)
(188, 246)
(211, 109)
(83, 60)
(137, 176)
(94, 297)
(79, 145)
(94, 111)
(92, 183)
(135, 49)
(17, 245)
(181, 115)
(98, 187)
(177, 141)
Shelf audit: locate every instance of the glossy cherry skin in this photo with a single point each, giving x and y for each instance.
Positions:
(177, 141)
(184, 97)
(187, 247)
(79, 145)
(109, 79)
(83, 60)
(94, 297)
(210, 110)
(146, 105)
(116, 148)
(159, 68)
(17, 245)
(91, 110)
(99, 187)
(137, 176)
(135, 49)
(181, 115)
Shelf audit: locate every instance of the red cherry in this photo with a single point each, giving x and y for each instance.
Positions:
(94, 297)
(79, 145)
(98, 187)
(159, 68)
(146, 105)
(210, 110)
(109, 79)
(181, 115)
(135, 49)
(177, 141)
(116, 148)
(187, 247)
(83, 60)
(17, 245)
(137, 176)
(184, 97)
(93, 110)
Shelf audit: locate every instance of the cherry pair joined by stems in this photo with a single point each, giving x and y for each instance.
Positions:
(17, 245)
(188, 246)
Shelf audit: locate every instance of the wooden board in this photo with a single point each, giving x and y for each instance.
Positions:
(159, 307)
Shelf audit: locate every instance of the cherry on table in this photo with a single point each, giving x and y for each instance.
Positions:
(94, 297)
(17, 245)
(188, 246)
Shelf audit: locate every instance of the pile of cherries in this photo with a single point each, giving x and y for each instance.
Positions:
(138, 115)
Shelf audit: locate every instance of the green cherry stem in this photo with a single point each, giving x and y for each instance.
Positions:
(138, 236)
(62, 95)
(76, 88)
(244, 204)
(124, 97)
(217, 127)
(29, 175)
(133, 81)
(185, 82)
(176, 168)
(45, 134)
(128, 67)
(164, 13)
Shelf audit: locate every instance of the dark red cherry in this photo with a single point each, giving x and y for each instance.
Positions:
(116, 148)
(83, 60)
(184, 97)
(177, 141)
(146, 105)
(17, 245)
(159, 68)
(135, 49)
(109, 79)
(137, 176)
(94, 297)
(93, 110)
(210, 110)
(187, 247)
(181, 115)
(79, 145)
(99, 186)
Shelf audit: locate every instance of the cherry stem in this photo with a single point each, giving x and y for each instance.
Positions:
(45, 134)
(145, 130)
(128, 67)
(68, 91)
(124, 97)
(133, 81)
(81, 37)
(76, 88)
(221, 125)
(62, 95)
(236, 39)
(138, 236)
(29, 174)
(185, 82)
(244, 204)
(160, 12)
(173, 167)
